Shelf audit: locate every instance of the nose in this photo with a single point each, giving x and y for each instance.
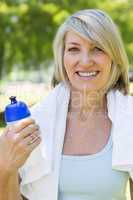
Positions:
(86, 59)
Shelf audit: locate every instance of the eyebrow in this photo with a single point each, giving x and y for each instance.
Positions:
(77, 44)
(74, 43)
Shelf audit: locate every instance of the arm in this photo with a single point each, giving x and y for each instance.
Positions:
(131, 188)
(9, 186)
(16, 144)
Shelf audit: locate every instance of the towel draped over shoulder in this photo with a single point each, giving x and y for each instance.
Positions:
(40, 173)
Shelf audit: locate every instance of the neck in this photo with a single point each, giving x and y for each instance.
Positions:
(87, 102)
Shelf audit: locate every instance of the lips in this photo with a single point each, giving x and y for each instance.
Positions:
(88, 74)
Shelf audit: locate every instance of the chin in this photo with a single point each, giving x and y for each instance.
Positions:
(84, 87)
(90, 86)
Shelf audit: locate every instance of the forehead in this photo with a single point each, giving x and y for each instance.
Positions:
(72, 37)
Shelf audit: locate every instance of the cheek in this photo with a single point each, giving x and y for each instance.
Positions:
(105, 62)
(67, 60)
(68, 64)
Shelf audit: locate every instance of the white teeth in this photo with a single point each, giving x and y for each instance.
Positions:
(87, 74)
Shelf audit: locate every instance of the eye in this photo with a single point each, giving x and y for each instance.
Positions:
(97, 49)
(73, 49)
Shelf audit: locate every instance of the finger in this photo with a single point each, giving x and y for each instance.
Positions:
(29, 130)
(31, 143)
(27, 144)
(25, 135)
(31, 138)
(25, 140)
(22, 124)
(6, 130)
(34, 144)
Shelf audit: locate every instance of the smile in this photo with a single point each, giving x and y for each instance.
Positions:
(87, 75)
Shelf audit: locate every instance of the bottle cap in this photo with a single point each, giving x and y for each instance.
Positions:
(16, 110)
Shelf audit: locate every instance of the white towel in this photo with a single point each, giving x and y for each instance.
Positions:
(51, 116)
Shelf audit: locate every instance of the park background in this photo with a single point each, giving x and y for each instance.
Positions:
(27, 29)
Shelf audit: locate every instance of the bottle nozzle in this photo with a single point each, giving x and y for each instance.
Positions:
(13, 99)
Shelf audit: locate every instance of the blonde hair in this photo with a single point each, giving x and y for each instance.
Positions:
(96, 25)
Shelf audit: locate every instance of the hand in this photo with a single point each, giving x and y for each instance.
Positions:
(16, 144)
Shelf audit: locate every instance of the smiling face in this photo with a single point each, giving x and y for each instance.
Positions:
(87, 66)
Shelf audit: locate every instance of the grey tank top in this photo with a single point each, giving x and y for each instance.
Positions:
(91, 177)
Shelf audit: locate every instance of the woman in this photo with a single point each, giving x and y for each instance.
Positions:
(77, 119)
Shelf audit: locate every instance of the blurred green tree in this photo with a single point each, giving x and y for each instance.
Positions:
(27, 28)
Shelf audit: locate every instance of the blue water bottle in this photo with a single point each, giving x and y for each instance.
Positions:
(16, 111)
